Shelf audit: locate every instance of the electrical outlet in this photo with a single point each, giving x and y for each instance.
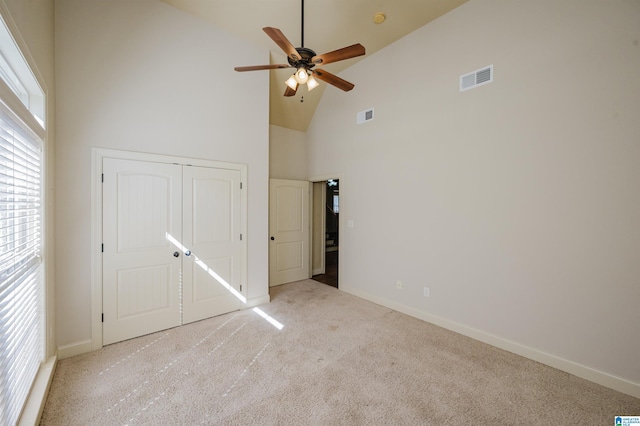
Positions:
(400, 285)
(426, 292)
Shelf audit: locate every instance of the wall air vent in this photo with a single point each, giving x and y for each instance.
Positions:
(476, 78)
(364, 116)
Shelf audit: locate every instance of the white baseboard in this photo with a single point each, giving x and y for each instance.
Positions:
(38, 395)
(73, 349)
(257, 301)
(582, 371)
(85, 346)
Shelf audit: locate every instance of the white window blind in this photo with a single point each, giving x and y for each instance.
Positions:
(21, 277)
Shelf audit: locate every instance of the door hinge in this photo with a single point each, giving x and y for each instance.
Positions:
(240, 287)
(102, 178)
(102, 317)
(240, 237)
(240, 185)
(102, 247)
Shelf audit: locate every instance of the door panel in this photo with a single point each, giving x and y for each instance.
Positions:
(143, 290)
(289, 256)
(289, 228)
(213, 273)
(208, 277)
(141, 277)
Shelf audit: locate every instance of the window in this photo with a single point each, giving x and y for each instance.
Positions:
(21, 265)
(16, 73)
(21, 341)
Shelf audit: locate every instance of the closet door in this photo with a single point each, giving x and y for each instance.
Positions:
(142, 221)
(289, 229)
(213, 273)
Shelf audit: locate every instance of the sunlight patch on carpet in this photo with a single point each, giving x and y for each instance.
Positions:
(268, 318)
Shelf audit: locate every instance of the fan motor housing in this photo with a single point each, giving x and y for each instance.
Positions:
(305, 58)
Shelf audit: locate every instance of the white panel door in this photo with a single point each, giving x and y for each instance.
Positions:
(142, 212)
(289, 228)
(214, 270)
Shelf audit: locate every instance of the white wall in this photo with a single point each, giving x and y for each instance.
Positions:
(517, 203)
(32, 25)
(287, 154)
(143, 76)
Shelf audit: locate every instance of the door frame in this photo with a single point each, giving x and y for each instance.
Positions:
(312, 180)
(321, 226)
(97, 155)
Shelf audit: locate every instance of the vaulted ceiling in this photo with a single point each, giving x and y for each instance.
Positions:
(328, 25)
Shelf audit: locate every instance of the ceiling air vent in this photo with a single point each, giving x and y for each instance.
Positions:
(476, 78)
(364, 116)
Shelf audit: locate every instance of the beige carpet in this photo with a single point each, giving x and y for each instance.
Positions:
(337, 360)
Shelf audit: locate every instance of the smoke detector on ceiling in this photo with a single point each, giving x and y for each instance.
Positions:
(379, 18)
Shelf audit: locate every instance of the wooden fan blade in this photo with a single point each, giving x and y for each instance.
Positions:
(279, 38)
(332, 79)
(261, 67)
(290, 92)
(339, 55)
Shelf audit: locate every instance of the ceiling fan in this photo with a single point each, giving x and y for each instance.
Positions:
(304, 60)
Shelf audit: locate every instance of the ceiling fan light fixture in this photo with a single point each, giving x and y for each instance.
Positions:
(301, 75)
(312, 83)
(292, 83)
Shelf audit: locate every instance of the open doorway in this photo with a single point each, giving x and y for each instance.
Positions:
(326, 211)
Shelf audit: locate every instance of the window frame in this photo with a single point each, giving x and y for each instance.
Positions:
(27, 282)
(29, 114)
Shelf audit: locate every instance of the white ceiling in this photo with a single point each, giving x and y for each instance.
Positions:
(328, 25)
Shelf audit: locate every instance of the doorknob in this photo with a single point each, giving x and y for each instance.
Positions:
(187, 253)
(176, 254)
(273, 238)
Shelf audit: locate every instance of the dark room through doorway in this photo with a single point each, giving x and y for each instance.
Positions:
(326, 211)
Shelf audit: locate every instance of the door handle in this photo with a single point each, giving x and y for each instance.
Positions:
(273, 238)
(187, 253)
(176, 254)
